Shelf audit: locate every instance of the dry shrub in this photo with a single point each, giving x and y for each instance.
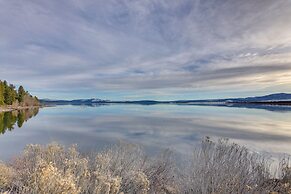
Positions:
(54, 169)
(103, 184)
(216, 167)
(224, 167)
(124, 168)
(6, 176)
(283, 183)
(140, 174)
(48, 179)
(285, 170)
(136, 182)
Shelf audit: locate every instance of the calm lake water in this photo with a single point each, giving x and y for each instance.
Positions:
(156, 127)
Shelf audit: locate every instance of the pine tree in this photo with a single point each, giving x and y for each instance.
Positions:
(7, 94)
(10, 96)
(1, 93)
(21, 94)
(14, 94)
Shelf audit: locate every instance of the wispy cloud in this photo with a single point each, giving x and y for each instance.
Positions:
(128, 46)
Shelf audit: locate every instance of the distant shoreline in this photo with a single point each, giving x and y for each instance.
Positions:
(278, 99)
(186, 102)
(280, 103)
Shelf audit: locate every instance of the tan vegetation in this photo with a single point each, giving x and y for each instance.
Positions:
(216, 167)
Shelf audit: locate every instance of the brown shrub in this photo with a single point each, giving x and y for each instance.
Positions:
(216, 167)
(7, 174)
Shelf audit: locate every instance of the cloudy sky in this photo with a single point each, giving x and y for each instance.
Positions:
(152, 49)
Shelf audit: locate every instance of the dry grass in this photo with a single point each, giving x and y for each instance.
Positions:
(216, 167)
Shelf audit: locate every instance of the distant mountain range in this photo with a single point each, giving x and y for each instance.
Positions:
(73, 102)
(267, 98)
(272, 99)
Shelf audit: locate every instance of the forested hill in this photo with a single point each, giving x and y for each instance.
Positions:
(12, 96)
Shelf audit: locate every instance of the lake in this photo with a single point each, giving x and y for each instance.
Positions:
(156, 127)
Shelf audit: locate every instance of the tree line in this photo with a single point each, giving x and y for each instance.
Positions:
(9, 95)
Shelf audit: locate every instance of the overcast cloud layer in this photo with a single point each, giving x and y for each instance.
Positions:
(147, 48)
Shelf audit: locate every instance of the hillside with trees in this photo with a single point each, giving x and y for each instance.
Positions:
(12, 97)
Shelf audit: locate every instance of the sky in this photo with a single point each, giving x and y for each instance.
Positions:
(146, 49)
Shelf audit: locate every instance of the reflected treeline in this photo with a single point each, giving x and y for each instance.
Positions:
(8, 120)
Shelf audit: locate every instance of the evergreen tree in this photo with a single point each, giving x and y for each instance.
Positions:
(21, 94)
(7, 94)
(1, 93)
(10, 96)
(14, 94)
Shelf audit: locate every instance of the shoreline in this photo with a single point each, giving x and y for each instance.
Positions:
(9, 108)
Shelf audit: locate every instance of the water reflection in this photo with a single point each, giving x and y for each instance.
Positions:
(159, 126)
(8, 120)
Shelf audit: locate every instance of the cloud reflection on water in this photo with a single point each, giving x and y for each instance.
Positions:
(161, 126)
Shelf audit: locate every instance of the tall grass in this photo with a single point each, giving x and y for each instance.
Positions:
(215, 167)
